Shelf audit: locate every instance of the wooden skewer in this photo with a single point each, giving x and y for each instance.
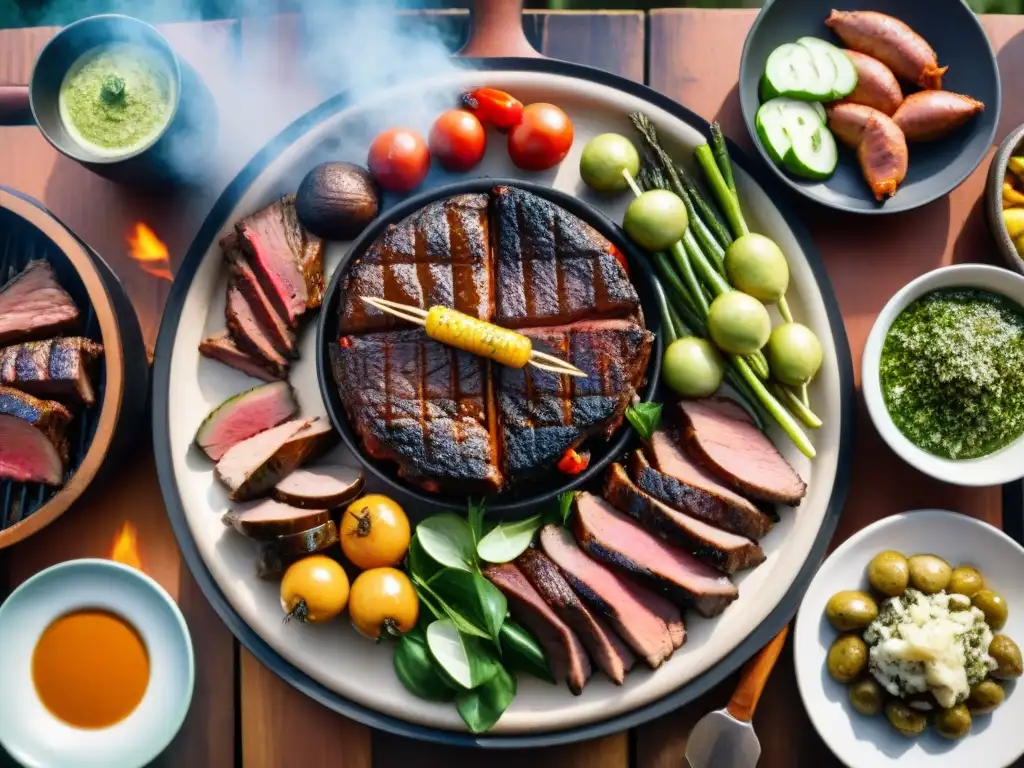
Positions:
(418, 317)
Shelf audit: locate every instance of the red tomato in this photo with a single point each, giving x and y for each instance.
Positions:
(573, 462)
(494, 107)
(542, 139)
(457, 140)
(399, 160)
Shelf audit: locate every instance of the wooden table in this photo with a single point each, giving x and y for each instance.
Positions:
(243, 714)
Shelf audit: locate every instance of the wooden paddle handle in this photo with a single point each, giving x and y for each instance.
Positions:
(754, 677)
(496, 29)
(14, 105)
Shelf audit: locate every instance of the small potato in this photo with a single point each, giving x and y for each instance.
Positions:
(905, 720)
(931, 115)
(882, 154)
(953, 723)
(966, 581)
(867, 697)
(847, 658)
(1007, 655)
(985, 697)
(929, 573)
(889, 573)
(890, 41)
(877, 86)
(849, 610)
(993, 606)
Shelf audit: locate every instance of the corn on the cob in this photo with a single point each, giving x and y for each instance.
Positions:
(449, 326)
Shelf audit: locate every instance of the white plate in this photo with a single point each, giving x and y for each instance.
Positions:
(862, 742)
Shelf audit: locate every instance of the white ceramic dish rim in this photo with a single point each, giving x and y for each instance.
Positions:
(777, 612)
(1003, 466)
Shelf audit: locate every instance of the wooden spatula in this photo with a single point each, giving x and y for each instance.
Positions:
(726, 738)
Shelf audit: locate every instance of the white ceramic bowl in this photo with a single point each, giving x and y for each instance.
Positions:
(35, 737)
(1003, 466)
(996, 740)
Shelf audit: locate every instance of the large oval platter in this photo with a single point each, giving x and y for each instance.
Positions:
(334, 665)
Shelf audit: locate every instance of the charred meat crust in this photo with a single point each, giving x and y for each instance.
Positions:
(58, 368)
(49, 417)
(33, 305)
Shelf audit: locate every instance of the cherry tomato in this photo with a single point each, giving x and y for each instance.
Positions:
(399, 160)
(383, 600)
(542, 139)
(457, 140)
(374, 532)
(494, 107)
(314, 590)
(573, 462)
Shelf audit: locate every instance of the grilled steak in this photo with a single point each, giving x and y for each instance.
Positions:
(421, 404)
(723, 437)
(243, 415)
(606, 649)
(243, 277)
(565, 653)
(436, 256)
(57, 368)
(320, 487)
(33, 447)
(249, 335)
(221, 347)
(551, 268)
(34, 306)
(545, 414)
(684, 485)
(720, 549)
(611, 537)
(288, 261)
(265, 519)
(649, 624)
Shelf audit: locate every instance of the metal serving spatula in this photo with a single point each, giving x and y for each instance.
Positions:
(726, 738)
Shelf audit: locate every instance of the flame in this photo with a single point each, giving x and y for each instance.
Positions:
(148, 250)
(125, 549)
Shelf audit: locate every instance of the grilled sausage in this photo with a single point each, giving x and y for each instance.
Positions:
(882, 154)
(877, 86)
(847, 121)
(890, 41)
(930, 115)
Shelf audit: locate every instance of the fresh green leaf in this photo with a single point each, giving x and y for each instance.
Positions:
(560, 514)
(419, 562)
(471, 595)
(467, 660)
(508, 541)
(443, 610)
(417, 670)
(448, 539)
(483, 706)
(475, 517)
(521, 653)
(644, 417)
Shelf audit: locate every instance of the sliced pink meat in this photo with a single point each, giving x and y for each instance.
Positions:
(27, 455)
(33, 305)
(244, 415)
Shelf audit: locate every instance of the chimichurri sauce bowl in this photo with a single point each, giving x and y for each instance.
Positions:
(943, 374)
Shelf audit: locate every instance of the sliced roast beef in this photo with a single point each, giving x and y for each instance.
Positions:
(611, 537)
(326, 486)
(723, 437)
(222, 348)
(27, 455)
(422, 404)
(720, 549)
(545, 414)
(34, 306)
(438, 256)
(243, 277)
(249, 335)
(650, 625)
(266, 519)
(551, 267)
(680, 482)
(606, 649)
(246, 414)
(565, 653)
(49, 417)
(57, 368)
(276, 555)
(288, 260)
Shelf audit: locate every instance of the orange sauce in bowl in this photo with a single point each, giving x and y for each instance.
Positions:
(90, 668)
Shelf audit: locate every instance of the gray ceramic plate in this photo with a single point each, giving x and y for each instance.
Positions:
(937, 168)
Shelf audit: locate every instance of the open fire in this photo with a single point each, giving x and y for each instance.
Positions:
(149, 251)
(125, 547)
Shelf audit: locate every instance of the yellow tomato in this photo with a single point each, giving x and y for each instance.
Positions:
(314, 590)
(374, 532)
(383, 600)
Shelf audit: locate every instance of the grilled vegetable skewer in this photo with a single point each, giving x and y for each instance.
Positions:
(451, 327)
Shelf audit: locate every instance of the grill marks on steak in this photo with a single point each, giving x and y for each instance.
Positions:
(565, 653)
(56, 368)
(422, 404)
(723, 438)
(545, 414)
(551, 267)
(222, 348)
(34, 306)
(438, 256)
(33, 445)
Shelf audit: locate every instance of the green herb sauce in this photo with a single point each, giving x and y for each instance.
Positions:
(116, 99)
(952, 373)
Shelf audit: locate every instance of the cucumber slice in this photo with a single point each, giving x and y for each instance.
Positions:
(826, 69)
(779, 120)
(813, 156)
(767, 93)
(820, 109)
(791, 71)
(846, 73)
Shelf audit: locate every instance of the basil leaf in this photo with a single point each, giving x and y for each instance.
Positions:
(521, 653)
(420, 563)
(508, 540)
(477, 600)
(417, 671)
(442, 610)
(482, 707)
(560, 514)
(467, 660)
(475, 517)
(644, 417)
(448, 540)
